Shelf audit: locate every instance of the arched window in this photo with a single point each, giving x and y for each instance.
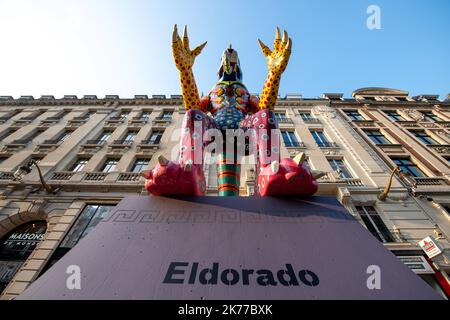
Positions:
(16, 246)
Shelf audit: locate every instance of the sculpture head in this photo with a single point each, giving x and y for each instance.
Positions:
(230, 68)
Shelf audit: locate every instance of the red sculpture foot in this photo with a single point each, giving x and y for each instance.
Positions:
(170, 178)
(289, 177)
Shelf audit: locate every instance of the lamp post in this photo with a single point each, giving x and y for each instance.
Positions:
(22, 170)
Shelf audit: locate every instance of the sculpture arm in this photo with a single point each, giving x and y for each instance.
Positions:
(184, 60)
(277, 61)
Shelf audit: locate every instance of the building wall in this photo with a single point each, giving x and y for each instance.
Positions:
(409, 218)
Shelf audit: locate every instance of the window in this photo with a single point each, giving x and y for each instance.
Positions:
(66, 134)
(104, 136)
(354, 115)
(401, 98)
(370, 98)
(139, 165)
(281, 116)
(374, 223)
(340, 167)
(16, 247)
(407, 166)
(79, 164)
(167, 115)
(7, 133)
(377, 137)
(290, 139)
(155, 137)
(91, 215)
(124, 114)
(145, 115)
(394, 115)
(430, 116)
(307, 117)
(129, 137)
(320, 138)
(34, 134)
(110, 165)
(423, 137)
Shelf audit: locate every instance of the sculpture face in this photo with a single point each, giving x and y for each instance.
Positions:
(230, 68)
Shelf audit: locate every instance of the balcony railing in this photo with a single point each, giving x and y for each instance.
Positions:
(430, 181)
(284, 120)
(311, 120)
(407, 124)
(162, 119)
(62, 175)
(51, 119)
(295, 144)
(129, 177)
(327, 145)
(18, 142)
(353, 182)
(122, 142)
(140, 119)
(95, 142)
(440, 148)
(50, 142)
(95, 176)
(6, 176)
(116, 119)
(81, 118)
(445, 124)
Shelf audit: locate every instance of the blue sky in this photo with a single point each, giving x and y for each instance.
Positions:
(123, 47)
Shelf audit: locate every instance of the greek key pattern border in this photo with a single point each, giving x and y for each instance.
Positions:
(225, 216)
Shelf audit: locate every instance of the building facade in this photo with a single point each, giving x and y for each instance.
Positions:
(90, 151)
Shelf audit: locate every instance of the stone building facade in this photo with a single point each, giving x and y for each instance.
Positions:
(90, 151)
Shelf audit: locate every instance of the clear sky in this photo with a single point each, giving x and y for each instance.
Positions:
(123, 47)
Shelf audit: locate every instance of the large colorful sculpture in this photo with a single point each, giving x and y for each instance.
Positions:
(229, 106)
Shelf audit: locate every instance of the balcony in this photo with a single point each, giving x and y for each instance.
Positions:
(22, 122)
(77, 121)
(139, 120)
(295, 144)
(121, 142)
(311, 120)
(430, 181)
(407, 124)
(129, 177)
(6, 176)
(18, 142)
(352, 182)
(364, 123)
(62, 175)
(120, 146)
(95, 142)
(95, 176)
(48, 145)
(4, 119)
(92, 146)
(162, 120)
(445, 124)
(284, 120)
(327, 144)
(440, 148)
(114, 122)
(49, 121)
(145, 147)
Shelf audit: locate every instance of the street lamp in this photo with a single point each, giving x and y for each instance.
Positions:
(25, 169)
